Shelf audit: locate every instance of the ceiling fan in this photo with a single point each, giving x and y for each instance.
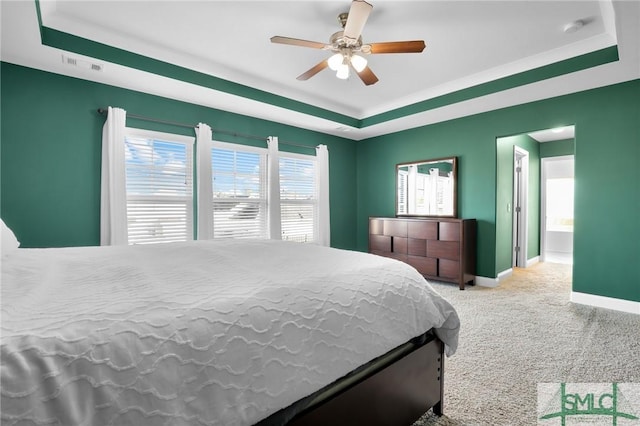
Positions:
(348, 47)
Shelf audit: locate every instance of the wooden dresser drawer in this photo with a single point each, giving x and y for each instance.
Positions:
(376, 226)
(395, 228)
(379, 243)
(417, 247)
(449, 231)
(443, 249)
(399, 245)
(448, 268)
(424, 265)
(425, 230)
(397, 256)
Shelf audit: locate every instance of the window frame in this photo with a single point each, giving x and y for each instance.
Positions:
(189, 143)
(314, 202)
(263, 201)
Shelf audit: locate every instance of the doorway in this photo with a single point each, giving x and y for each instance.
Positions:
(519, 210)
(557, 187)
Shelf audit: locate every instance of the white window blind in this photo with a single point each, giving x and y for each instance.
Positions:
(239, 191)
(298, 196)
(159, 177)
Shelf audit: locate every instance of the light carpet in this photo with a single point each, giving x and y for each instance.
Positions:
(526, 332)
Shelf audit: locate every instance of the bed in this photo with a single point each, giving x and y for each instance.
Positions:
(219, 332)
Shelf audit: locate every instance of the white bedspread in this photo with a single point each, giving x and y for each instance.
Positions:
(203, 333)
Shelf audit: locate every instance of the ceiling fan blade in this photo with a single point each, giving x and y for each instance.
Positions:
(367, 76)
(313, 71)
(297, 42)
(414, 46)
(358, 15)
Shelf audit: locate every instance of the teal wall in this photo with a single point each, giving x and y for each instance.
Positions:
(51, 152)
(504, 199)
(607, 120)
(476, 175)
(50, 167)
(557, 148)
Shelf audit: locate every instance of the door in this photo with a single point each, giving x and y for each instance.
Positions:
(520, 204)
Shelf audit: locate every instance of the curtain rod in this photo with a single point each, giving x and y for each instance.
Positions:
(103, 111)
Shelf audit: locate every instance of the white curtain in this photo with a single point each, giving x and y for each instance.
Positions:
(323, 230)
(113, 195)
(204, 181)
(273, 189)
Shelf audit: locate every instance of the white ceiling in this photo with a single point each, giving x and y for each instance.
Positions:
(468, 43)
(555, 134)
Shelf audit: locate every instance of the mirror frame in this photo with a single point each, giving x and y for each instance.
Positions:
(454, 161)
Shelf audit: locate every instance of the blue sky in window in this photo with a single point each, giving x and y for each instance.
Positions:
(236, 174)
(155, 167)
(297, 178)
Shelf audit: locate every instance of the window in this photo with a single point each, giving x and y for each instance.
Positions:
(159, 182)
(298, 197)
(160, 190)
(239, 191)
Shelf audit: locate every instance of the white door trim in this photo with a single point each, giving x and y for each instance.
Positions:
(521, 201)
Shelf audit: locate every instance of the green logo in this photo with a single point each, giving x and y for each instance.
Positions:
(586, 401)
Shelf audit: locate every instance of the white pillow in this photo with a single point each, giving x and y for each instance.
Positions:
(9, 240)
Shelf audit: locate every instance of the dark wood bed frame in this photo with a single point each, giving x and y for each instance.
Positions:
(397, 391)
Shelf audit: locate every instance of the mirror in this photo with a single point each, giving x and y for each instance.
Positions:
(427, 188)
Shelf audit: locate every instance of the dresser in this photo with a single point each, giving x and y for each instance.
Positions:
(441, 249)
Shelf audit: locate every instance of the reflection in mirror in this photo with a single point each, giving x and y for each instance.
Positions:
(427, 188)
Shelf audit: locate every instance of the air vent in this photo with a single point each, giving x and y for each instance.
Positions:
(79, 63)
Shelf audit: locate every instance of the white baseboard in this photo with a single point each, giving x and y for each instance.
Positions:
(486, 282)
(605, 302)
(493, 282)
(533, 261)
(505, 274)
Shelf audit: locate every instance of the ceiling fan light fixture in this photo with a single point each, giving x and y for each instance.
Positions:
(335, 61)
(359, 63)
(343, 72)
(343, 46)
